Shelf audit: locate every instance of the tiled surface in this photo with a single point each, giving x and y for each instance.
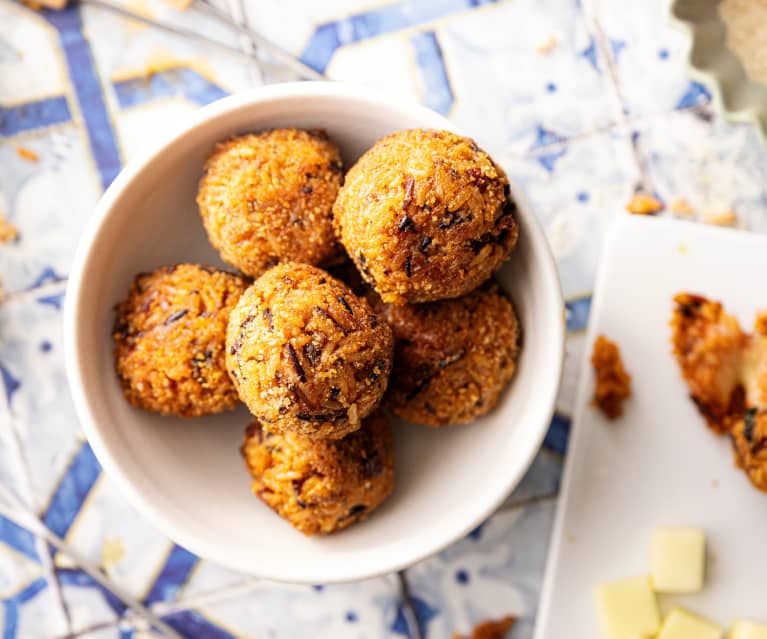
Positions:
(608, 109)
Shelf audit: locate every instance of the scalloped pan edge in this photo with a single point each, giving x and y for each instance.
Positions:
(710, 62)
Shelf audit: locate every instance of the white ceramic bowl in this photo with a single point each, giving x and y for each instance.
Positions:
(187, 476)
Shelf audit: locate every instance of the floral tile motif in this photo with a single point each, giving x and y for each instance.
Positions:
(649, 57)
(31, 197)
(537, 78)
(488, 575)
(369, 609)
(31, 357)
(576, 189)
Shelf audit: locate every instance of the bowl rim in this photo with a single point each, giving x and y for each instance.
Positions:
(75, 361)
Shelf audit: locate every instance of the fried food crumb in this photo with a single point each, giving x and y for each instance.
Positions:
(27, 154)
(721, 218)
(681, 207)
(547, 46)
(760, 326)
(490, 629)
(8, 232)
(613, 382)
(749, 441)
(708, 345)
(179, 5)
(642, 204)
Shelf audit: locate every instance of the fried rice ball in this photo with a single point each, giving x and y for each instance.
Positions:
(749, 438)
(169, 340)
(267, 198)
(708, 345)
(306, 354)
(322, 486)
(425, 215)
(452, 358)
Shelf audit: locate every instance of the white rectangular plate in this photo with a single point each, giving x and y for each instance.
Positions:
(658, 465)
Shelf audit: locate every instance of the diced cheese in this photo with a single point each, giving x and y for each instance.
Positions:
(627, 609)
(747, 630)
(680, 624)
(678, 559)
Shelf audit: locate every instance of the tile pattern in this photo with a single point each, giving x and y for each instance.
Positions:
(584, 102)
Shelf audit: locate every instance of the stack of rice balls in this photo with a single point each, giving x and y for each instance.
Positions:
(355, 292)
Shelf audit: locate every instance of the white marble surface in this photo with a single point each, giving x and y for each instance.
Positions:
(607, 110)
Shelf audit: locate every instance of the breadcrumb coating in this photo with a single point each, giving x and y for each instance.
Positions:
(306, 354)
(452, 358)
(169, 340)
(322, 486)
(490, 629)
(709, 345)
(749, 439)
(613, 384)
(267, 198)
(425, 215)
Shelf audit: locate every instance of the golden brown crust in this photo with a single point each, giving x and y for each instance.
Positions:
(749, 439)
(306, 354)
(169, 340)
(321, 486)
(491, 629)
(708, 345)
(425, 215)
(267, 198)
(453, 358)
(613, 384)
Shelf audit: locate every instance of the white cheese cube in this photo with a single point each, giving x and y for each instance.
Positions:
(678, 559)
(747, 630)
(627, 609)
(680, 624)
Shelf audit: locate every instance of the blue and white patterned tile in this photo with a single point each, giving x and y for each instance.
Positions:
(88, 609)
(35, 385)
(576, 189)
(31, 612)
(649, 56)
(31, 354)
(111, 535)
(128, 49)
(17, 568)
(494, 572)
(48, 200)
(506, 93)
(32, 70)
(540, 482)
(110, 632)
(714, 165)
(361, 609)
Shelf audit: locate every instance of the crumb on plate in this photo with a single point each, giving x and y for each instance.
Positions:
(681, 207)
(27, 154)
(721, 218)
(613, 382)
(492, 629)
(547, 45)
(642, 204)
(8, 232)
